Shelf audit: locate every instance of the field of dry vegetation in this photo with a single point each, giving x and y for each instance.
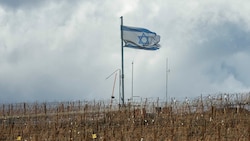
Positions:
(222, 117)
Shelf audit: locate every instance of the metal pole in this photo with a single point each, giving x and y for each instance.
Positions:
(132, 81)
(122, 61)
(119, 87)
(167, 71)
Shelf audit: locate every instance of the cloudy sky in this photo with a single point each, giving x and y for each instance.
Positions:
(56, 50)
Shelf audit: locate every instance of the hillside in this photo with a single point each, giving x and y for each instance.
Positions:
(219, 117)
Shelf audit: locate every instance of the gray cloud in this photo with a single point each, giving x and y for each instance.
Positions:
(16, 4)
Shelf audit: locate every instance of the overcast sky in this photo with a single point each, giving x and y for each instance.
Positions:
(57, 50)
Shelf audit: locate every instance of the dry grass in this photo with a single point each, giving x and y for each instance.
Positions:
(221, 118)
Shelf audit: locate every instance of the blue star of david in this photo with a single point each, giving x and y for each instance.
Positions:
(143, 39)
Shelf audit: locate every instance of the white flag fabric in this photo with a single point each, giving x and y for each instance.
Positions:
(140, 38)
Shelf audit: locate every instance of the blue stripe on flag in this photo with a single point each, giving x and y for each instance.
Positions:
(138, 47)
(137, 29)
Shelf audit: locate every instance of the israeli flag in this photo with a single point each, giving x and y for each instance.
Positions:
(140, 38)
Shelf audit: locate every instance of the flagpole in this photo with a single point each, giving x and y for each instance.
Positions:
(122, 61)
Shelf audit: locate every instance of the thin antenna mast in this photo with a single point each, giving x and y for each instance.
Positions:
(167, 71)
(132, 81)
